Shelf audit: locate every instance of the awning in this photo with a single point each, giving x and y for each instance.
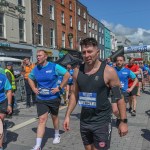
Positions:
(49, 53)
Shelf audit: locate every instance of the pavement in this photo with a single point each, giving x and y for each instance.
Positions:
(23, 133)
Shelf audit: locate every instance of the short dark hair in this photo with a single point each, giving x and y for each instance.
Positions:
(89, 41)
(120, 56)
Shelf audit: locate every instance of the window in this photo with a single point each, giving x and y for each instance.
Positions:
(93, 35)
(79, 44)
(71, 43)
(62, 2)
(100, 40)
(84, 28)
(78, 11)
(89, 33)
(84, 15)
(40, 34)
(100, 29)
(63, 39)
(70, 5)
(20, 2)
(51, 11)
(96, 36)
(52, 38)
(93, 25)
(89, 23)
(39, 6)
(62, 17)
(79, 25)
(21, 29)
(70, 21)
(1, 25)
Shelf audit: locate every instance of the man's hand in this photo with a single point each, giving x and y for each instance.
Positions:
(129, 90)
(123, 129)
(9, 109)
(55, 90)
(36, 91)
(66, 124)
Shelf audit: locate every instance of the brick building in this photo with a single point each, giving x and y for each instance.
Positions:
(66, 25)
(92, 29)
(44, 26)
(81, 22)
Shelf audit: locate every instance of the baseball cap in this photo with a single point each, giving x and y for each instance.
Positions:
(9, 64)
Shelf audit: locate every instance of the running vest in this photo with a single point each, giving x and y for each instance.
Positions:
(27, 70)
(95, 84)
(46, 79)
(13, 84)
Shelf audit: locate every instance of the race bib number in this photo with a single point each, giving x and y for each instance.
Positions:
(87, 99)
(122, 84)
(44, 91)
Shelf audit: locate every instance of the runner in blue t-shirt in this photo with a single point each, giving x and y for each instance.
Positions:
(124, 74)
(45, 75)
(5, 102)
(69, 84)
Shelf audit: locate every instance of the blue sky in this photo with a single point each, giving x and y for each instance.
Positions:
(131, 15)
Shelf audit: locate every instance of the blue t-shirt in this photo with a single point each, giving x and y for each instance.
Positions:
(47, 78)
(124, 74)
(4, 86)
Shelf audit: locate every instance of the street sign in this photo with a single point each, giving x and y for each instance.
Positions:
(137, 49)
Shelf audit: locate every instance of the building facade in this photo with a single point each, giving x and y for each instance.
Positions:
(15, 28)
(44, 27)
(107, 42)
(66, 24)
(101, 39)
(92, 27)
(81, 23)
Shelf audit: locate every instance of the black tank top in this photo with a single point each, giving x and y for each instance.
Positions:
(95, 84)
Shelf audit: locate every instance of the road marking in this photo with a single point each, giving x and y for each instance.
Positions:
(21, 125)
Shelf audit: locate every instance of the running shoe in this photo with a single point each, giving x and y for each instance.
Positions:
(34, 148)
(130, 110)
(56, 140)
(133, 113)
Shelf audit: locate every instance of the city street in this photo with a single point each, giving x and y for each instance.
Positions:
(22, 135)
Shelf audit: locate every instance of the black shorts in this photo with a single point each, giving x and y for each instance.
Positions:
(126, 96)
(134, 91)
(50, 106)
(97, 135)
(3, 107)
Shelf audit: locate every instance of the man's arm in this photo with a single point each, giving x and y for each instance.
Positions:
(65, 79)
(33, 86)
(114, 83)
(72, 101)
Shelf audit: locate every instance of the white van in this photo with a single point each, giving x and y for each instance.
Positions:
(16, 63)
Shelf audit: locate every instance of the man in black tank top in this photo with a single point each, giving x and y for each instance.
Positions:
(92, 83)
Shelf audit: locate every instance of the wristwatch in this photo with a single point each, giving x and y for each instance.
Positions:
(10, 105)
(123, 120)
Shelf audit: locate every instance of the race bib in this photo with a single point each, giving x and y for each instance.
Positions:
(122, 84)
(87, 99)
(44, 91)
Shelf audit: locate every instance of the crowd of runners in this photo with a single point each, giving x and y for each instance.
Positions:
(100, 88)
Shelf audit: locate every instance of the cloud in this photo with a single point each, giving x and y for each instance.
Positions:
(133, 34)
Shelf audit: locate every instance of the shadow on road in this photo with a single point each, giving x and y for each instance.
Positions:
(148, 112)
(49, 133)
(146, 134)
(10, 137)
(146, 92)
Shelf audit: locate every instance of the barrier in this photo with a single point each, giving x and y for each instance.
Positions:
(20, 94)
